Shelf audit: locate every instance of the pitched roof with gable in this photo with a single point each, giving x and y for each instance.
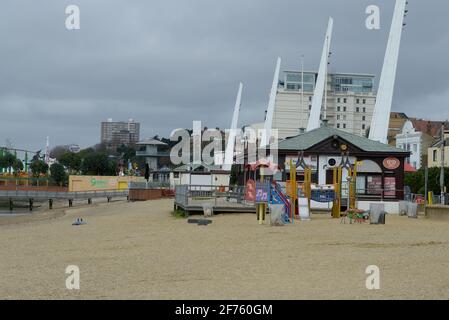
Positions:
(309, 139)
(152, 142)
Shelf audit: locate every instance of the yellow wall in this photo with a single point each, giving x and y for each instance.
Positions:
(433, 164)
(93, 183)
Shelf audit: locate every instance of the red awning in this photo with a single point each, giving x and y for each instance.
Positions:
(409, 168)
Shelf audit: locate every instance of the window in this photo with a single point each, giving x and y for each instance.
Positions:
(345, 100)
(363, 126)
(415, 148)
(357, 109)
(338, 100)
(310, 107)
(338, 117)
(344, 125)
(358, 101)
(310, 98)
(435, 155)
(364, 101)
(338, 109)
(344, 109)
(363, 118)
(338, 125)
(176, 175)
(364, 110)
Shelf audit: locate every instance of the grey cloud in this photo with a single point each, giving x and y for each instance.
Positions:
(166, 63)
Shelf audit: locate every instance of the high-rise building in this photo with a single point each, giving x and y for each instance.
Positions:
(115, 134)
(348, 104)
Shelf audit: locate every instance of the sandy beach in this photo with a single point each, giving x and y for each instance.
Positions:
(140, 251)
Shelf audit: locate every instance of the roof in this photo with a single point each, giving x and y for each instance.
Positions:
(151, 141)
(437, 143)
(333, 73)
(192, 167)
(309, 139)
(432, 128)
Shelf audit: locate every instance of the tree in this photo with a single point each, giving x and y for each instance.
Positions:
(95, 163)
(127, 153)
(18, 166)
(38, 167)
(58, 174)
(416, 180)
(70, 160)
(58, 151)
(7, 161)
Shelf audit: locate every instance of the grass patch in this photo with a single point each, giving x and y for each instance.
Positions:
(179, 214)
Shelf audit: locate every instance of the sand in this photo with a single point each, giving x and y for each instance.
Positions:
(139, 251)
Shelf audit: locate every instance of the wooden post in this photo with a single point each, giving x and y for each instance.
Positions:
(50, 204)
(70, 203)
(31, 204)
(11, 205)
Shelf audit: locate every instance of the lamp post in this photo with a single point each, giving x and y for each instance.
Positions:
(442, 165)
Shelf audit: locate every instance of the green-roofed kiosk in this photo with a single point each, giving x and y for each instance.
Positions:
(380, 167)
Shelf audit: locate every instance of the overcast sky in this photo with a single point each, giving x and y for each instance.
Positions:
(167, 63)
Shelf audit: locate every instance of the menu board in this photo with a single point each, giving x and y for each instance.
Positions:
(374, 185)
(390, 186)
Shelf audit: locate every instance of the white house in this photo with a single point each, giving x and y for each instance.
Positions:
(416, 142)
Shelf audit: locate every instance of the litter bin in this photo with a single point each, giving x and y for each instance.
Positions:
(376, 209)
(403, 208)
(412, 210)
(277, 212)
(208, 209)
(378, 218)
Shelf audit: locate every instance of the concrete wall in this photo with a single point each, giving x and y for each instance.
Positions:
(95, 183)
(390, 207)
(437, 212)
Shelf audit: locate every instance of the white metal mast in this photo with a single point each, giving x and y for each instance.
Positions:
(271, 106)
(47, 151)
(302, 91)
(381, 116)
(230, 146)
(317, 101)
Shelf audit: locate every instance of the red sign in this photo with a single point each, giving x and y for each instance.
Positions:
(392, 163)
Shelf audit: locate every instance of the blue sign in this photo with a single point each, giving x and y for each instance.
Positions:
(319, 195)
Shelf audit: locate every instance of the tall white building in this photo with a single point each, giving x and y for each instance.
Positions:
(350, 101)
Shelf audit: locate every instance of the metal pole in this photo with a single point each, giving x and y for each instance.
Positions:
(442, 165)
(426, 185)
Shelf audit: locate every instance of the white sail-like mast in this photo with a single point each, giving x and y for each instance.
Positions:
(382, 109)
(230, 146)
(265, 140)
(317, 101)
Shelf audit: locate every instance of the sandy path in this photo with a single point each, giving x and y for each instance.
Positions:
(138, 251)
